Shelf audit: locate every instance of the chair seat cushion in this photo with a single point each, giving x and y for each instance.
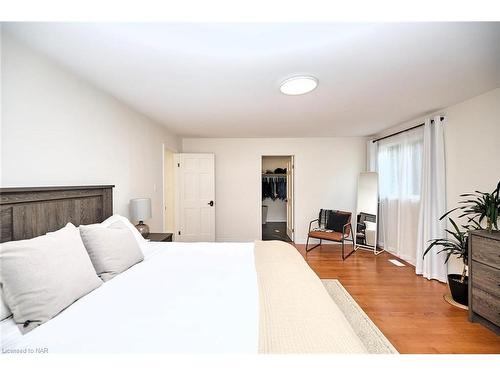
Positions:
(329, 236)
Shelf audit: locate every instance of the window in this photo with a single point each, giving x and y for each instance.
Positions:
(400, 168)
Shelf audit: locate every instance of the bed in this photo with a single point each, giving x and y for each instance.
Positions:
(184, 297)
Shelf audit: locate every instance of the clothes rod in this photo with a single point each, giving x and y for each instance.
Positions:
(402, 131)
(273, 175)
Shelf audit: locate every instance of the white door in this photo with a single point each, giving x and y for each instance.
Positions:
(195, 206)
(289, 199)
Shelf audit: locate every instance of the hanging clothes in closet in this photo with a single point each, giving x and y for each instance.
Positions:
(273, 187)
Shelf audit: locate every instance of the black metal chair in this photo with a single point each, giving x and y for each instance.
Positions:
(332, 235)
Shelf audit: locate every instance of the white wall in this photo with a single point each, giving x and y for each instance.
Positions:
(326, 171)
(59, 130)
(276, 210)
(472, 144)
(472, 141)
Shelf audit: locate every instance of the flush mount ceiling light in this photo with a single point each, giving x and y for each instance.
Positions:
(298, 85)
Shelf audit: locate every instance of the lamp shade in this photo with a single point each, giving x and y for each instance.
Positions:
(140, 209)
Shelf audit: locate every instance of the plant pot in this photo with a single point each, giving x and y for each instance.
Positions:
(459, 291)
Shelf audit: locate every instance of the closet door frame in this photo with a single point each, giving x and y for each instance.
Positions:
(290, 196)
(290, 190)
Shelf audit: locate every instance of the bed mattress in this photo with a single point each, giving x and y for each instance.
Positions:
(183, 298)
(200, 298)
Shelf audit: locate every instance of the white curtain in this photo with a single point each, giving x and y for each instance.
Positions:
(432, 202)
(399, 165)
(371, 156)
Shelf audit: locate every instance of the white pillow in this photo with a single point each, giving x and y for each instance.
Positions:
(112, 249)
(44, 275)
(113, 219)
(4, 309)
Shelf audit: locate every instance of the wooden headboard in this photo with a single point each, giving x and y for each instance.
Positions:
(28, 212)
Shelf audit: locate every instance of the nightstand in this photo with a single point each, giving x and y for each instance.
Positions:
(160, 237)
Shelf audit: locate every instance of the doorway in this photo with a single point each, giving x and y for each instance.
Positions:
(189, 196)
(194, 197)
(277, 198)
(169, 190)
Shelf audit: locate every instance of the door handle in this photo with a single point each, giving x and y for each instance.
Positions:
(211, 203)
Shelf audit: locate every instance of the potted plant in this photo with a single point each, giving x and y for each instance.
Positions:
(457, 245)
(475, 208)
(478, 206)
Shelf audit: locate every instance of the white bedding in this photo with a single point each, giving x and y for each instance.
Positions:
(183, 298)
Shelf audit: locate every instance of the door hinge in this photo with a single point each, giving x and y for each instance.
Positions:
(178, 165)
(293, 230)
(179, 233)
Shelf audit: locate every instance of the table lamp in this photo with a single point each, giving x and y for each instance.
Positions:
(140, 210)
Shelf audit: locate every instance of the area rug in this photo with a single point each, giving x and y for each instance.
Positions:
(371, 337)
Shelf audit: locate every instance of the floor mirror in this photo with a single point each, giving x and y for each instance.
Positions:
(367, 212)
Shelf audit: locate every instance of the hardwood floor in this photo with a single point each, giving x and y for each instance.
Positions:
(407, 308)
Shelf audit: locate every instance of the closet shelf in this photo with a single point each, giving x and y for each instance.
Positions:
(273, 174)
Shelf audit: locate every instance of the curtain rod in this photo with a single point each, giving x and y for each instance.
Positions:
(402, 131)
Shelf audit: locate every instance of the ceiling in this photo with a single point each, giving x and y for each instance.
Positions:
(222, 80)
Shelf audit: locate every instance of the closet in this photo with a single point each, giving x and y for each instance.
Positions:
(277, 198)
